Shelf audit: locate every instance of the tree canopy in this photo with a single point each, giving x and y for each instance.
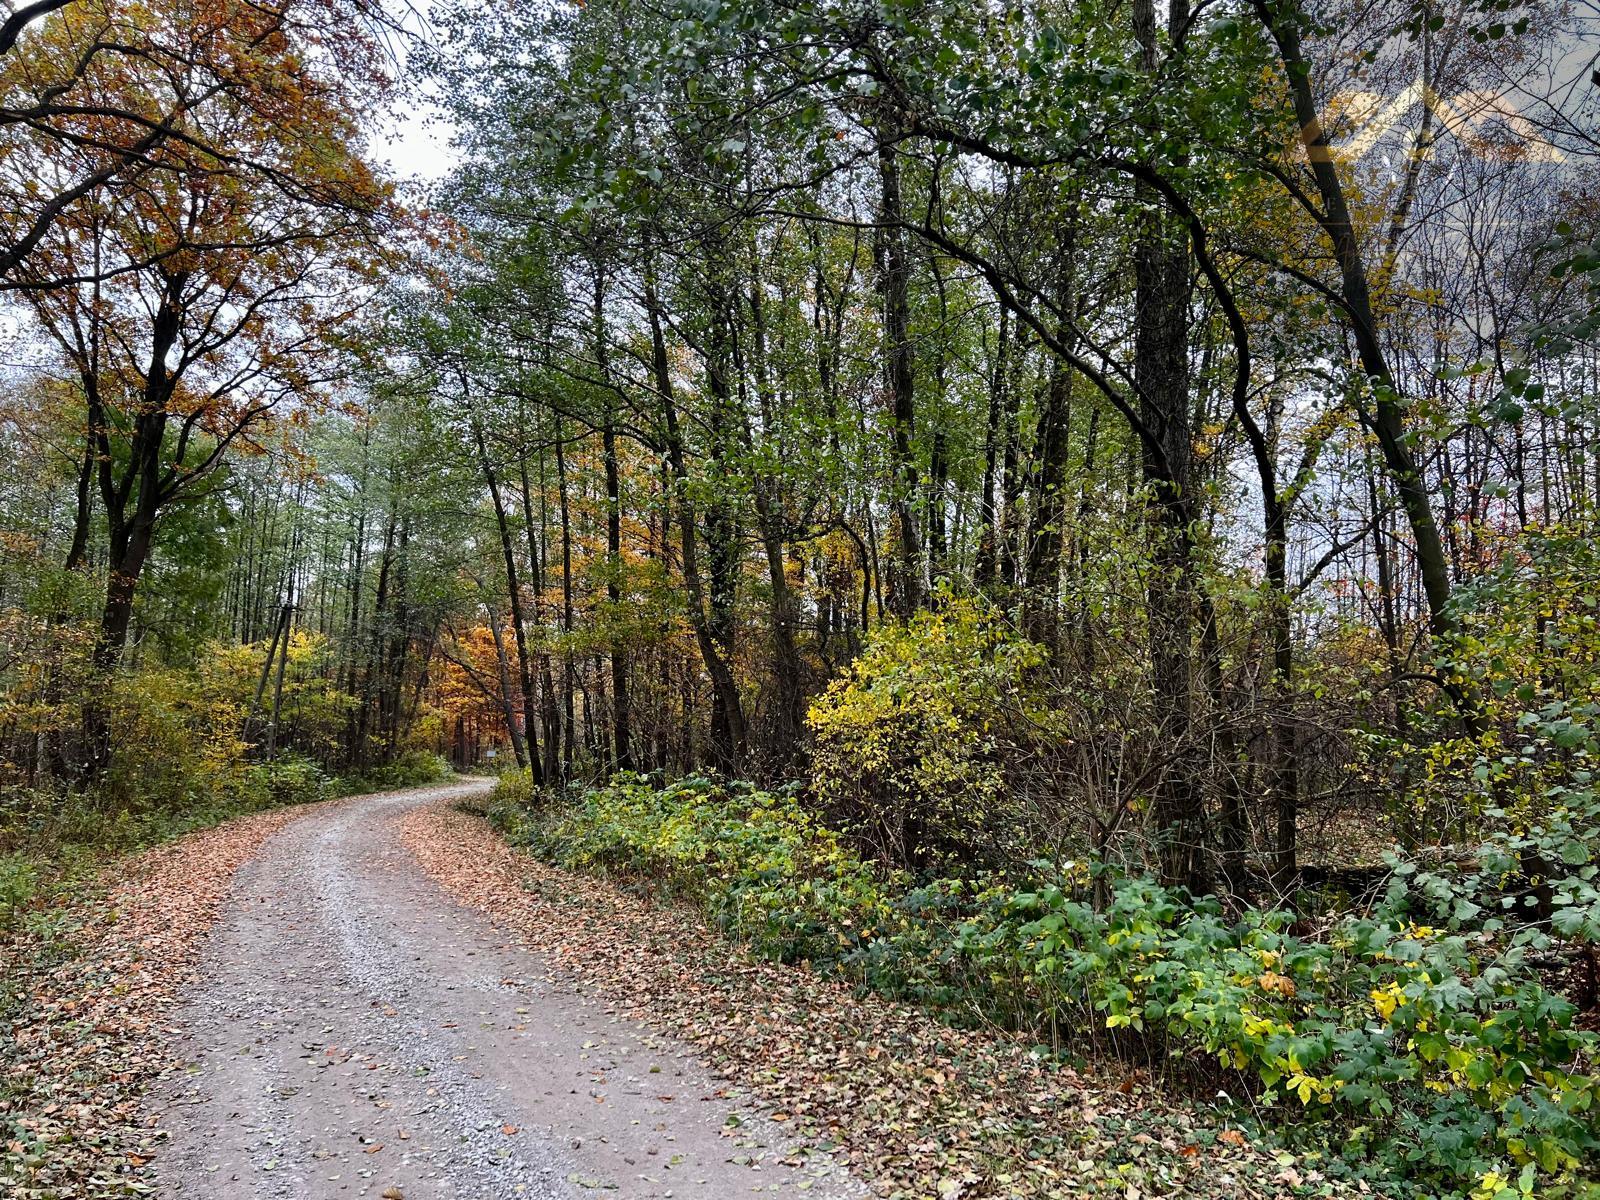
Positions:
(1159, 440)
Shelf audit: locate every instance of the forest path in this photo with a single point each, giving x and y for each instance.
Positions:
(356, 1032)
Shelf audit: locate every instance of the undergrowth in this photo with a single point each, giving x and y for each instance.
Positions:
(1414, 1045)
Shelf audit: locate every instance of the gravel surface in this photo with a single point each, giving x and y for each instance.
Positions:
(354, 1031)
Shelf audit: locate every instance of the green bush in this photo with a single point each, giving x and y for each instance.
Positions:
(1437, 1049)
(177, 744)
(756, 862)
(291, 779)
(513, 801)
(60, 830)
(19, 879)
(1420, 1036)
(64, 833)
(1525, 663)
(413, 768)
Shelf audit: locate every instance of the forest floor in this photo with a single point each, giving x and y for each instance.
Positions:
(377, 997)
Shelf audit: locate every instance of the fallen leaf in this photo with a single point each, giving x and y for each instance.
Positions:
(904, 1099)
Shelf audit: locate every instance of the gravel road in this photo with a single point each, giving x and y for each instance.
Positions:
(355, 1032)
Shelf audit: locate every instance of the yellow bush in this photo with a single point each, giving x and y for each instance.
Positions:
(910, 743)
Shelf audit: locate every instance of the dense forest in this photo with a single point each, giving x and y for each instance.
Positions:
(1080, 517)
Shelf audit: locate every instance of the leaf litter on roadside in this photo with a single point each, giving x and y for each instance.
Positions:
(90, 984)
(917, 1108)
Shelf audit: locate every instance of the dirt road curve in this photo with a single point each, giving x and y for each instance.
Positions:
(356, 1033)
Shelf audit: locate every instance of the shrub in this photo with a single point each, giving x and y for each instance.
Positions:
(19, 879)
(909, 744)
(1444, 1051)
(513, 802)
(177, 744)
(292, 779)
(515, 789)
(413, 768)
(1526, 664)
(314, 712)
(1419, 1035)
(755, 861)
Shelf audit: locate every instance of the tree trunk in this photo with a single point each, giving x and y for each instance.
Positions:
(568, 678)
(130, 549)
(280, 630)
(621, 724)
(1161, 369)
(731, 749)
(1042, 603)
(1283, 19)
(518, 629)
(286, 624)
(720, 525)
(508, 707)
(985, 569)
(547, 686)
(787, 671)
(894, 276)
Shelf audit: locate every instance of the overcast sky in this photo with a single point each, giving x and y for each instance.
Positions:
(417, 145)
(415, 141)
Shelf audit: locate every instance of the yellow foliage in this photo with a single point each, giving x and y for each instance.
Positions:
(908, 742)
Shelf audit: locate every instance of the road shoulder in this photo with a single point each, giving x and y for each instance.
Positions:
(94, 985)
(913, 1106)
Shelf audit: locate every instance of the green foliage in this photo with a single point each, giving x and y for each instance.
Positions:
(61, 831)
(1432, 1051)
(1438, 1051)
(49, 838)
(1526, 666)
(755, 861)
(178, 742)
(314, 711)
(413, 768)
(910, 742)
(19, 879)
(180, 592)
(291, 779)
(513, 801)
